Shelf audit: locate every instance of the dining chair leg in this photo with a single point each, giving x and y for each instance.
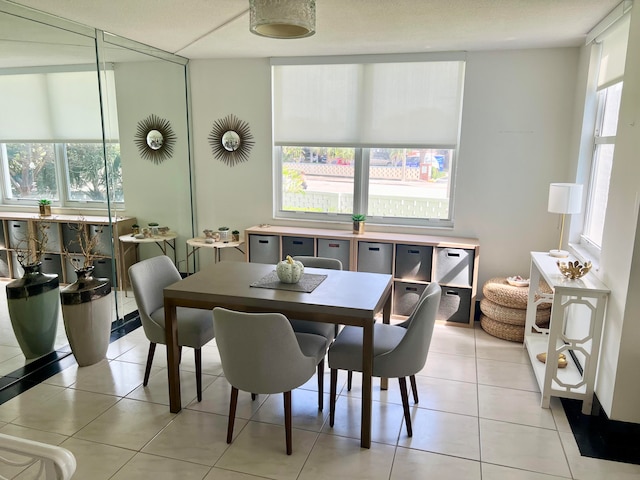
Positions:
(147, 370)
(198, 359)
(232, 413)
(349, 379)
(179, 354)
(287, 420)
(321, 384)
(405, 404)
(332, 396)
(254, 396)
(414, 388)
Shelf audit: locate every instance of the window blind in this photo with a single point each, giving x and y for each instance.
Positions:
(613, 52)
(368, 104)
(55, 106)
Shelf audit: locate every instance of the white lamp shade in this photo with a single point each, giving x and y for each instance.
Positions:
(565, 198)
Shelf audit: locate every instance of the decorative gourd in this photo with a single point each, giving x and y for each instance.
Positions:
(289, 270)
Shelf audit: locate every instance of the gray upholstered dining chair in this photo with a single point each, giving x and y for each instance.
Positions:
(398, 352)
(261, 353)
(195, 326)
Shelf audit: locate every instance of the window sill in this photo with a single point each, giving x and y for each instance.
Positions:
(585, 254)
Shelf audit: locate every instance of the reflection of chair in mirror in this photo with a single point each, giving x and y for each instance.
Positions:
(260, 353)
(195, 326)
(55, 462)
(398, 352)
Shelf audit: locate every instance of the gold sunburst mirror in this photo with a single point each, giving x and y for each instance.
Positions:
(231, 140)
(155, 139)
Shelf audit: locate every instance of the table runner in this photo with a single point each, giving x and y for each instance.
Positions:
(307, 283)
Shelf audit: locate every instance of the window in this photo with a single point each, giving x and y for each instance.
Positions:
(51, 137)
(373, 138)
(610, 71)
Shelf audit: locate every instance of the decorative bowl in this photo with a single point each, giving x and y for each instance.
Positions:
(518, 281)
(163, 230)
(574, 270)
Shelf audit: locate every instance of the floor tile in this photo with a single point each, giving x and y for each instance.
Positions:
(151, 467)
(450, 367)
(498, 472)
(304, 410)
(519, 446)
(506, 374)
(96, 461)
(492, 348)
(515, 406)
(417, 465)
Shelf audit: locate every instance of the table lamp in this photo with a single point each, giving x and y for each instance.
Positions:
(564, 198)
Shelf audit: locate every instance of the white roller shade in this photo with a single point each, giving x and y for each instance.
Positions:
(54, 106)
(614, 52)
(368, 104)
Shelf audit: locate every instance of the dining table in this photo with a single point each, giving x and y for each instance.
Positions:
(340, 297)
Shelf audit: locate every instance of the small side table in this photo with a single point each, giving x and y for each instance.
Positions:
(194, 244)
(164, 242)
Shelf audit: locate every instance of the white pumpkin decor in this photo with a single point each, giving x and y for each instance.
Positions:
(289, 270)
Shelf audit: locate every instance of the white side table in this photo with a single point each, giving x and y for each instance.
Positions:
(164, 242)
(194, 244)
(575, 329)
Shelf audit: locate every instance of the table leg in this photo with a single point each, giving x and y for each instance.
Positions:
(173, 356)
(386, 318)
(367, 370)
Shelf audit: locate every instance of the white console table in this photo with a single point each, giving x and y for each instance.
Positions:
(575, 329)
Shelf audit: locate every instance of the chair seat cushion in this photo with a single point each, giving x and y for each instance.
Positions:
(195, 326)
(314, 346)
(345, 352)
(327, 330)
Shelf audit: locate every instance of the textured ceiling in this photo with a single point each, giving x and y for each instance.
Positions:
(220, 28)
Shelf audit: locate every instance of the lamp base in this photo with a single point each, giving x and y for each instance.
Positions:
(559, 253)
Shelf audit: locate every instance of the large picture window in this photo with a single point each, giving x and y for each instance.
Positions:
(376, 138)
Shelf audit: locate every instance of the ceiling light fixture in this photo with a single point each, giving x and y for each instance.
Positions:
(283, 18)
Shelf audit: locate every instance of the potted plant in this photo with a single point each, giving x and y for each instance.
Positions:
(86, 306)
(33, 300)
(154, 228)
(235, 236)
(358, 222)
(45, 207)
(224, 234)
(135, 229)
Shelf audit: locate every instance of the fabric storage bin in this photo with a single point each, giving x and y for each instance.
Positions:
(264, 249)
(413, 262)
(4, 264)
(454, 266)
(103, 268)
(297, 246)
(16, 269)
(70, 238)
(103, 232)
(71, 264)
(52, 264)
(18, 234)
(455, 305)
(375, 257)
(53, 235)
(333, 248)
(3, 243)
(406, 296)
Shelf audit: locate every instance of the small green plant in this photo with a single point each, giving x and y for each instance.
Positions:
(223, 229)
(44, 201)
(358, 217)
(235, 232)
(153, 224)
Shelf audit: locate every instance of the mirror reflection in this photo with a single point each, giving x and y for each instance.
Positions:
(231, 141)
(154, 140)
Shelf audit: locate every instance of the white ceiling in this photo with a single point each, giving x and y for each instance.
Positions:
(220, 28)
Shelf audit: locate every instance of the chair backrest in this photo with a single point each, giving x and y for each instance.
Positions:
(260, 352)
(148, 280)
(319, 262)
(410, 355)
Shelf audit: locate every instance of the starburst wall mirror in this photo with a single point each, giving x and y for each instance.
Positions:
(155, 139)
(231, 140)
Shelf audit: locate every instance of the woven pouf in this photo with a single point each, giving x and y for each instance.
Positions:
(499, 291)
(512, 316)
(505, 331)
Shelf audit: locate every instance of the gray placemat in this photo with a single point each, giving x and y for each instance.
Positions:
(307, 283)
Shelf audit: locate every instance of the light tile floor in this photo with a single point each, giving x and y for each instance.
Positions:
(478, 418)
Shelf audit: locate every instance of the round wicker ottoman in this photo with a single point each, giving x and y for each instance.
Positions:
(504, 309)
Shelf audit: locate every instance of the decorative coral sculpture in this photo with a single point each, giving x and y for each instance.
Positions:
(574, 270)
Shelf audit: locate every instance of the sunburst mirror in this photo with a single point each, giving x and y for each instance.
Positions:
(231, 140)
(155, 139)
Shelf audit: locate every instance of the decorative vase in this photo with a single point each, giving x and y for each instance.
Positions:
(224, 235)
(86, 310)
(45, 210)
(235, 237)
(358, 227)
(33, 302)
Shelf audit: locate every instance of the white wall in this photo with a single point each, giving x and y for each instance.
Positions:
(515, 140)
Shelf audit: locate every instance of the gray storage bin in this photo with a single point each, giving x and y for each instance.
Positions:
(4, 264)
(264, 249)
(18, 234)
(3, 243)
(375, 257)
(455, 305)
(70, 237)
(333, 248)
(454, 266)
(71, 264)
(104, 234)
(297, 246)
(413, 262)
(52, 264)
(53, 235)
(17, 270)
(103, 268)
(405, 297)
